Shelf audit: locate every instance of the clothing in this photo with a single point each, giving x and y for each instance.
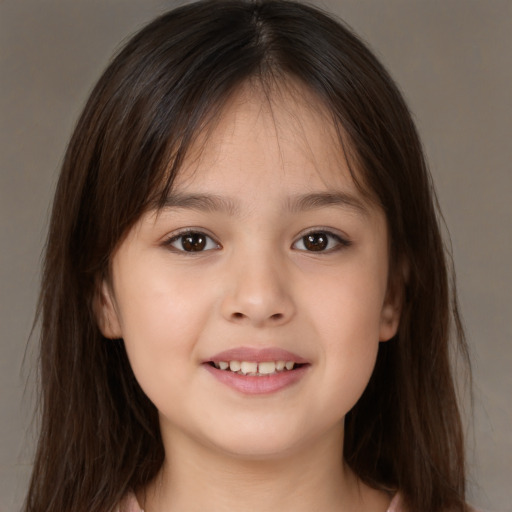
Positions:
(129, 504)
(395, 505)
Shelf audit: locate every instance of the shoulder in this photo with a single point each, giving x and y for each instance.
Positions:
(129, 504)
(396, 505)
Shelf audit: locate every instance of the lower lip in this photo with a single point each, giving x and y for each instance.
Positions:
(258, 385)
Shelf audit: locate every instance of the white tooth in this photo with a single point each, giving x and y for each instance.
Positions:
(289, 365)
(223, 365)
(280, 365)
(267, 367)
(248, 367)
(234, 366)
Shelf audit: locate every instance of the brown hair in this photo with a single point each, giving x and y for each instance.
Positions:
(99, 432)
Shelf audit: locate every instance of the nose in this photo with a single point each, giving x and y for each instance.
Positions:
(258, 292)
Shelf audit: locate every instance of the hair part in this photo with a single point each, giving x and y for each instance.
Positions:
(99, 432)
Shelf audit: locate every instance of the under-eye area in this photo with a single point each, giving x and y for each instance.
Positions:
(256, 369)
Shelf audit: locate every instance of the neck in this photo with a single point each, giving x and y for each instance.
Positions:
(313, 477)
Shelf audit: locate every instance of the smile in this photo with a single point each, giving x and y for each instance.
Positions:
(259, 371)
(255, 369)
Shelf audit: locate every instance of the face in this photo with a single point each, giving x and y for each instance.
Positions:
(252, 305)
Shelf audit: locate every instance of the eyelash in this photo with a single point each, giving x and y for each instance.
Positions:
(339, 241)
(190, 232)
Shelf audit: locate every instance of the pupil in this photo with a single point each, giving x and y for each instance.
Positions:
(193, 242)
(316, 241)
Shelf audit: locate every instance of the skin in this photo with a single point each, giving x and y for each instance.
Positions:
(256, 284)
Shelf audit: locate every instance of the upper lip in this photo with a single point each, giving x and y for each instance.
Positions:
(255, 355)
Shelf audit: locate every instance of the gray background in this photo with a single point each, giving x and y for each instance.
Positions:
(452, 59)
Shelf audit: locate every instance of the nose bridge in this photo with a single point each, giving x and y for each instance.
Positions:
(259, 291)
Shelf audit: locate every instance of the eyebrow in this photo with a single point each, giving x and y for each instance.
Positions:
(213, 203)
(318, 200)
(202, 202)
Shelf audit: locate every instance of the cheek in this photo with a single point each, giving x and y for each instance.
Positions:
(160, 317)
(347, 306)
(346, 319)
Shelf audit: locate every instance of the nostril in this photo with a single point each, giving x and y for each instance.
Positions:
(238, 316)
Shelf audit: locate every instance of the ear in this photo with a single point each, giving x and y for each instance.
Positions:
(389, 319)
(106, 312)
(392, 307)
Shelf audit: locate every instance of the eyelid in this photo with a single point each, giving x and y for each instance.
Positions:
(342, 240)
(176, 235)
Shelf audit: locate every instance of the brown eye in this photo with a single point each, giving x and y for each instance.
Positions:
(320, 241)
(192, 241)
(316, 241)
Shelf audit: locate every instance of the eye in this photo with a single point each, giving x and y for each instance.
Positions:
(192, 241)
(320, 241)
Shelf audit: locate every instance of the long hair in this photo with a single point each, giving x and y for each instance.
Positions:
(99, 432)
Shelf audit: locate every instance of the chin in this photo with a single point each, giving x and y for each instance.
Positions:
(258, 451)
(259, 444)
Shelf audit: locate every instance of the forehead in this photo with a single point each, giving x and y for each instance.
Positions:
(286, 136)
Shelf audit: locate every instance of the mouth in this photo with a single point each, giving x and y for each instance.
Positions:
(257, 371)
(255, 368)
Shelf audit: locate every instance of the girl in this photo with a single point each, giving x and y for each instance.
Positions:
(245, 300)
